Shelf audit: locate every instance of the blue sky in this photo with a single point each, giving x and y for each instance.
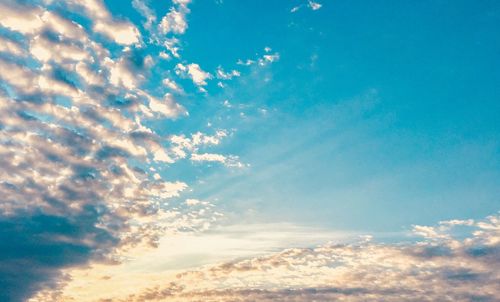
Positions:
(190, 150)
(377, 117)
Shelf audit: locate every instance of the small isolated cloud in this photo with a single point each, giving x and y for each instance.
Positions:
(194, 72)
(310, 4)
(223, 75)
(265, 59)
(229, 161)
(313, 5)
(271, 58)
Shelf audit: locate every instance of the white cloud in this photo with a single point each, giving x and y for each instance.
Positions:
(271, 58)
(223, 75)
(167, 106)
(194, 72)
(146, 12)
(22, 19)
(174, 21)
(172, 85)
(122, 32)
(9, 46)
(229, 161)
(313, 5)
(262, 61)
(454, 269)
(192, 202)
(171, 46)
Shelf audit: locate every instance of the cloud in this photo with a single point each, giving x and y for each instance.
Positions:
(310, 4)
(223, 75)
(172, 85)
(43, 243)
(168, 107)
(121, 32)
(146, 12)
(193, 71)
(183, 147)
(459, 266)
(78, 160)
(454, 268)
(229, 161)
(265, 59)
(313, 5)
(175, 20)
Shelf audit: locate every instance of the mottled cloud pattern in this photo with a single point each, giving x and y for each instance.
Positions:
(83, 190)
(77, 163)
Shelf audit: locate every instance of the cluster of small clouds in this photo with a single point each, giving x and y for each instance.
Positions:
(310, 4)
(190, 147)
(263, 60)
(75, 151)
(457, 260)
(175, 23)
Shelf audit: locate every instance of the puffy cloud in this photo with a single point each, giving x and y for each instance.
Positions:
(167, 106)
(175, 20)
(194, 72)
(22, 19)
(77, 178)
(122, 32)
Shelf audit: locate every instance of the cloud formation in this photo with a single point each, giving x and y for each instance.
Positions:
(194, 72)
(455, 261)
(78, 165)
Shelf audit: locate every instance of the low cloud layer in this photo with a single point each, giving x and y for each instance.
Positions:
(453, 261)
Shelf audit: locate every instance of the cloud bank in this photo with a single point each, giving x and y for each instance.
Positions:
(78, 176)
(453, 261)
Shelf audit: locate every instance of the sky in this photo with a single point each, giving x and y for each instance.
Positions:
(225, 150)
